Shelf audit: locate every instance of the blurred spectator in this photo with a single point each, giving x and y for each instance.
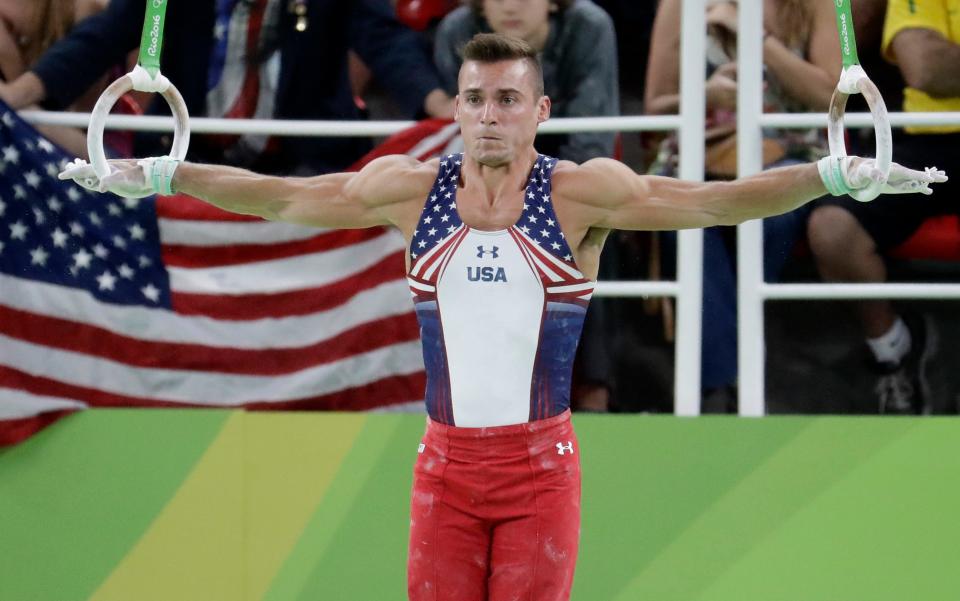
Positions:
(423, 15)
(577, 46)
(578, 51)
(27, 29)
(801, 58)
(849, 239)
(250, 58)
(634, 21)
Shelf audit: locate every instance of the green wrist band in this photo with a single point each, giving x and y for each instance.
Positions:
(161, 175)
(831, 173)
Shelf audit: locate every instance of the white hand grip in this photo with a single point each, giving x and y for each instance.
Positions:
(135, 81)
(852, 81)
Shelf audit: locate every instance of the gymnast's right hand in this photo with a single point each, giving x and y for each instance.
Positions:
(130, 178)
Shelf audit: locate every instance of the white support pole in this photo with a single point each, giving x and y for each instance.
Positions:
(690, 247)
(750, 323)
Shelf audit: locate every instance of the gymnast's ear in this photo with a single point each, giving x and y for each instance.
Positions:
(543, 109)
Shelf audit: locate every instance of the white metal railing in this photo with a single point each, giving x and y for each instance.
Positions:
(693, 60)
(817, 120)
(333, 129)
(859, 291)
(750, 235)
(752, 290)
(289, 127)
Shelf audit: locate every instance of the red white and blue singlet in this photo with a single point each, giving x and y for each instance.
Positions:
(500, 312)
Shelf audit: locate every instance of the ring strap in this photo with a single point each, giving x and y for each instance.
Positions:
(151, 43)
(848, 41)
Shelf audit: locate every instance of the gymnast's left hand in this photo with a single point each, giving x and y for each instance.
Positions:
(844, 175)
(861, 173)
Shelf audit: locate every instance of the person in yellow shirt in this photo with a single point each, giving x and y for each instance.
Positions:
(849, 239)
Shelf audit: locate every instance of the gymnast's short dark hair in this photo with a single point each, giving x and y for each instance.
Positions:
(494, 48)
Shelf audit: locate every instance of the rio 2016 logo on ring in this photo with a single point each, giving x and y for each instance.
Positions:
(156, 24)
(845, 33)
(154, 36)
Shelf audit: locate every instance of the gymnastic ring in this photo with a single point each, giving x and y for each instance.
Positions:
(854, 80)
(139, 80)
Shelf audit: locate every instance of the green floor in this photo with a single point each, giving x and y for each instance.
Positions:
(164, 504)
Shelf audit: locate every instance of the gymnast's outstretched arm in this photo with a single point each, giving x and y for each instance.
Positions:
(607, 194)
(388, 191)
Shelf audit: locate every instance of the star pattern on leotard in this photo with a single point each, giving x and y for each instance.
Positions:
(538, 220)
(440, 217)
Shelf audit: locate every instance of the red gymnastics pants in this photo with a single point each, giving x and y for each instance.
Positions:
(495, 513)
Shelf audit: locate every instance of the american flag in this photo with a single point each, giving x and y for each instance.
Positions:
(167, 301)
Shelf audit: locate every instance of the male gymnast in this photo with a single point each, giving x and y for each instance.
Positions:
(503, 251)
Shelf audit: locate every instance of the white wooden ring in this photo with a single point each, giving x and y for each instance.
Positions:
(854, 80)
(181, 120)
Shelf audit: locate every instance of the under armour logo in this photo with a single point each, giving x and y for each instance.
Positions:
(563, 448)
(493, 253)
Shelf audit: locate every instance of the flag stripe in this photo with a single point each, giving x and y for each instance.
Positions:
(431, 145)
(164, 326)
(18, 403)
(392, 390)
(13, 431)
(40, 385)
(296, 302)
(81, 338)
(208, 233)
(386, 391)
(283, 275)
(211, 388)
(180, 206)
(176, 255)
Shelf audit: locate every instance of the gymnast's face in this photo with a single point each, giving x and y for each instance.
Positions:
(498, 109)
